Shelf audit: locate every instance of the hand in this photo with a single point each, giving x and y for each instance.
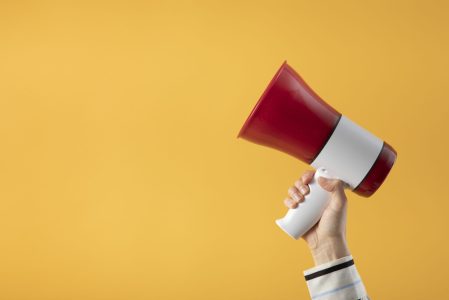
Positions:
(327, 238)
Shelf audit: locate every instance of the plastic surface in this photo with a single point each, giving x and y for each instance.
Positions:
(290, 117)
(378, 172)
(299, 220)
(350, 152)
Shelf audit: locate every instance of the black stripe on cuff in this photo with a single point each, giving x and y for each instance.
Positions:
(330, 270)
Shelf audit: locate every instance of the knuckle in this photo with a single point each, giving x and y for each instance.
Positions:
(292, 190)
(304, 189)
(306, 176)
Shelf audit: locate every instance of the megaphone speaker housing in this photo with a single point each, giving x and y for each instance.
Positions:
(292, 118)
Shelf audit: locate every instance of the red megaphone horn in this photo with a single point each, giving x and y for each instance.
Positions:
(292, 118)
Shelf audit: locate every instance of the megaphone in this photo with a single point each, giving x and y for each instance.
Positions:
(292, 118)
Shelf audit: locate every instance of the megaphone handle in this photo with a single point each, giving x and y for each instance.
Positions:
(299, 220)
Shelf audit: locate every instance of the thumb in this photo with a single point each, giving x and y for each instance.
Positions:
(336, 187)
(330, 185)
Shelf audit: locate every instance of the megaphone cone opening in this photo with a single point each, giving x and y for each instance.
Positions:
(259, 103)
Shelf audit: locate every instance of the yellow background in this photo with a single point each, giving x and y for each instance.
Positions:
(121, 175)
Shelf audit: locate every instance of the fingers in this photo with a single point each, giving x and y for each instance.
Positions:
(290, 203)
(307, 176)
(302, 187)
(295, 194)
(299, 190)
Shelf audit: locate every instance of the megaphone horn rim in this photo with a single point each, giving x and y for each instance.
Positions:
(262, 97)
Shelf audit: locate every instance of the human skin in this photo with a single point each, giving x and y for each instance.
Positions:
(327, 238)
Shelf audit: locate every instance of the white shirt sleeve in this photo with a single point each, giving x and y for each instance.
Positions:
(335, 280)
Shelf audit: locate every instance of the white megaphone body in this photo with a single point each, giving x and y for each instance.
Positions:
(292, 118)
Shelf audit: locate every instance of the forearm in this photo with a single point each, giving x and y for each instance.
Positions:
(330, 250)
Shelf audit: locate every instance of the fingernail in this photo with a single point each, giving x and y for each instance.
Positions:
(296, 197)
(303, 190)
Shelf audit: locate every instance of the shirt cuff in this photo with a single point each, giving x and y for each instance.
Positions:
(336, 280)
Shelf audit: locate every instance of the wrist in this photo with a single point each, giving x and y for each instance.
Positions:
(330, 250)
